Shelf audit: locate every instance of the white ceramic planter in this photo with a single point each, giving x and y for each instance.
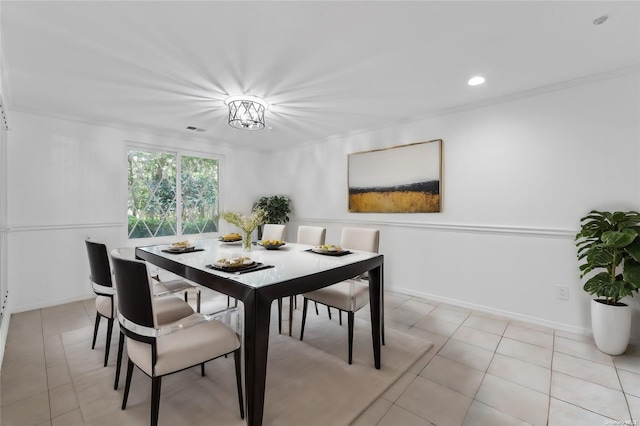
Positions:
(611, 327)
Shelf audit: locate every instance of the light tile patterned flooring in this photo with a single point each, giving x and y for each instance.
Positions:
(482, 370)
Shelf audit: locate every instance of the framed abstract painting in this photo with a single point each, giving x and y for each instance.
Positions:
(401, 179)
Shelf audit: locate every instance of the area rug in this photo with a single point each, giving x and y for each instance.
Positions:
(308, 382)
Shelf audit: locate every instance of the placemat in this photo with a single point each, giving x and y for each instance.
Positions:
(189, 250)
(338, 253)
(255, 267)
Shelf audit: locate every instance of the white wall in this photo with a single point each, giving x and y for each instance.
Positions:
(517, 178)
(67, 182)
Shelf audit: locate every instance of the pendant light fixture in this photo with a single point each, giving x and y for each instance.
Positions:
(246, 112)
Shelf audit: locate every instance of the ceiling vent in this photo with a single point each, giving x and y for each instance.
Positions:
(196, 129)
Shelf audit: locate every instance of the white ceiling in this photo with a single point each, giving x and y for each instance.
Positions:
(326, 68)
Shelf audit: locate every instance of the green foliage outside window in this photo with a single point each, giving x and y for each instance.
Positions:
(154, 193)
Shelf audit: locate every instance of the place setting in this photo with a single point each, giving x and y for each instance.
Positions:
(182, 247)
(230, 239)
(238, 265)
(329, 250)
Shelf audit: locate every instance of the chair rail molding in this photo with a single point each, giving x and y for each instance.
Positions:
(64, 226)
(449, 227)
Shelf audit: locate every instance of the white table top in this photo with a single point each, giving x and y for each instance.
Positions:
(290, 261)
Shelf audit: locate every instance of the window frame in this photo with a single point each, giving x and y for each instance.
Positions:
(178, 153)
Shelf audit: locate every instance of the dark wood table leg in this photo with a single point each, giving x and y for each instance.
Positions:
(256, 346)
(375, 302)
(291, 301)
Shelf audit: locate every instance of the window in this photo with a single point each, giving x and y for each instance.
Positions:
(157, 198)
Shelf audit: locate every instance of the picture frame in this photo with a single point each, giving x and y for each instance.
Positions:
(400, 179)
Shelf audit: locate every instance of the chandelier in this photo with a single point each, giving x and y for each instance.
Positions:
(246, 112)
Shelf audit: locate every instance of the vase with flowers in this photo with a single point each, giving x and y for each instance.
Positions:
(247, 223)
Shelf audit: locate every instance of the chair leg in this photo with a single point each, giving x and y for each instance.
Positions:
(340, 316)
(198, 300)
(305, 303)
(127, 384)
(235, 302)
(202, 369)
(95, 330)
(156, 384)
(237, 359)
(280, 315)
(350, 319)
(109, 331)
(119, 361)
(317, 313)
(186, 296)
(329, 312)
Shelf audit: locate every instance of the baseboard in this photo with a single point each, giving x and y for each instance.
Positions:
(51, 303)
(4, 331)
(508, 314)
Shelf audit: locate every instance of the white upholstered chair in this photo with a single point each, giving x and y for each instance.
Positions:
(159, 350)
(313, 236)
(170, 308)
(272, 231)
(350, 295)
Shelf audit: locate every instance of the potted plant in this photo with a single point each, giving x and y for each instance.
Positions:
(247, 223)
(277, 209)
(609, 247)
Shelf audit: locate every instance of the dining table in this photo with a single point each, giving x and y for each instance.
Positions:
(290, 270)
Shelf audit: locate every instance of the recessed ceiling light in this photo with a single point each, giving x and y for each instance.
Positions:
(474, 81)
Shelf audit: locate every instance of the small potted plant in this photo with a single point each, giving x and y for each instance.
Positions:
(277, 209)
(247, 223)
(609, 249)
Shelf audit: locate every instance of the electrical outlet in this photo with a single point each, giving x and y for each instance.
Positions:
(562, 292)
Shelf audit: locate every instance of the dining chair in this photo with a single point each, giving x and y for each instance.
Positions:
(169, 308)
(310, 235)
(271, 231)
(350, 295)
(164, 281)
(162, 349)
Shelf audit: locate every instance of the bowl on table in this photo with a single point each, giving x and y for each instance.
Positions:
(271, 244)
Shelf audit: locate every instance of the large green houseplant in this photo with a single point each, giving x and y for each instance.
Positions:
(277, 209)
(609, 249)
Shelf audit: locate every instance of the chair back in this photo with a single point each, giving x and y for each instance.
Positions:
(272, 231)
(125, 252)
(363, 239)
(99, 263)
(311, 235)
(135, 294)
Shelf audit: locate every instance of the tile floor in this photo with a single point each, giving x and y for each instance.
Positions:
(482, 370)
